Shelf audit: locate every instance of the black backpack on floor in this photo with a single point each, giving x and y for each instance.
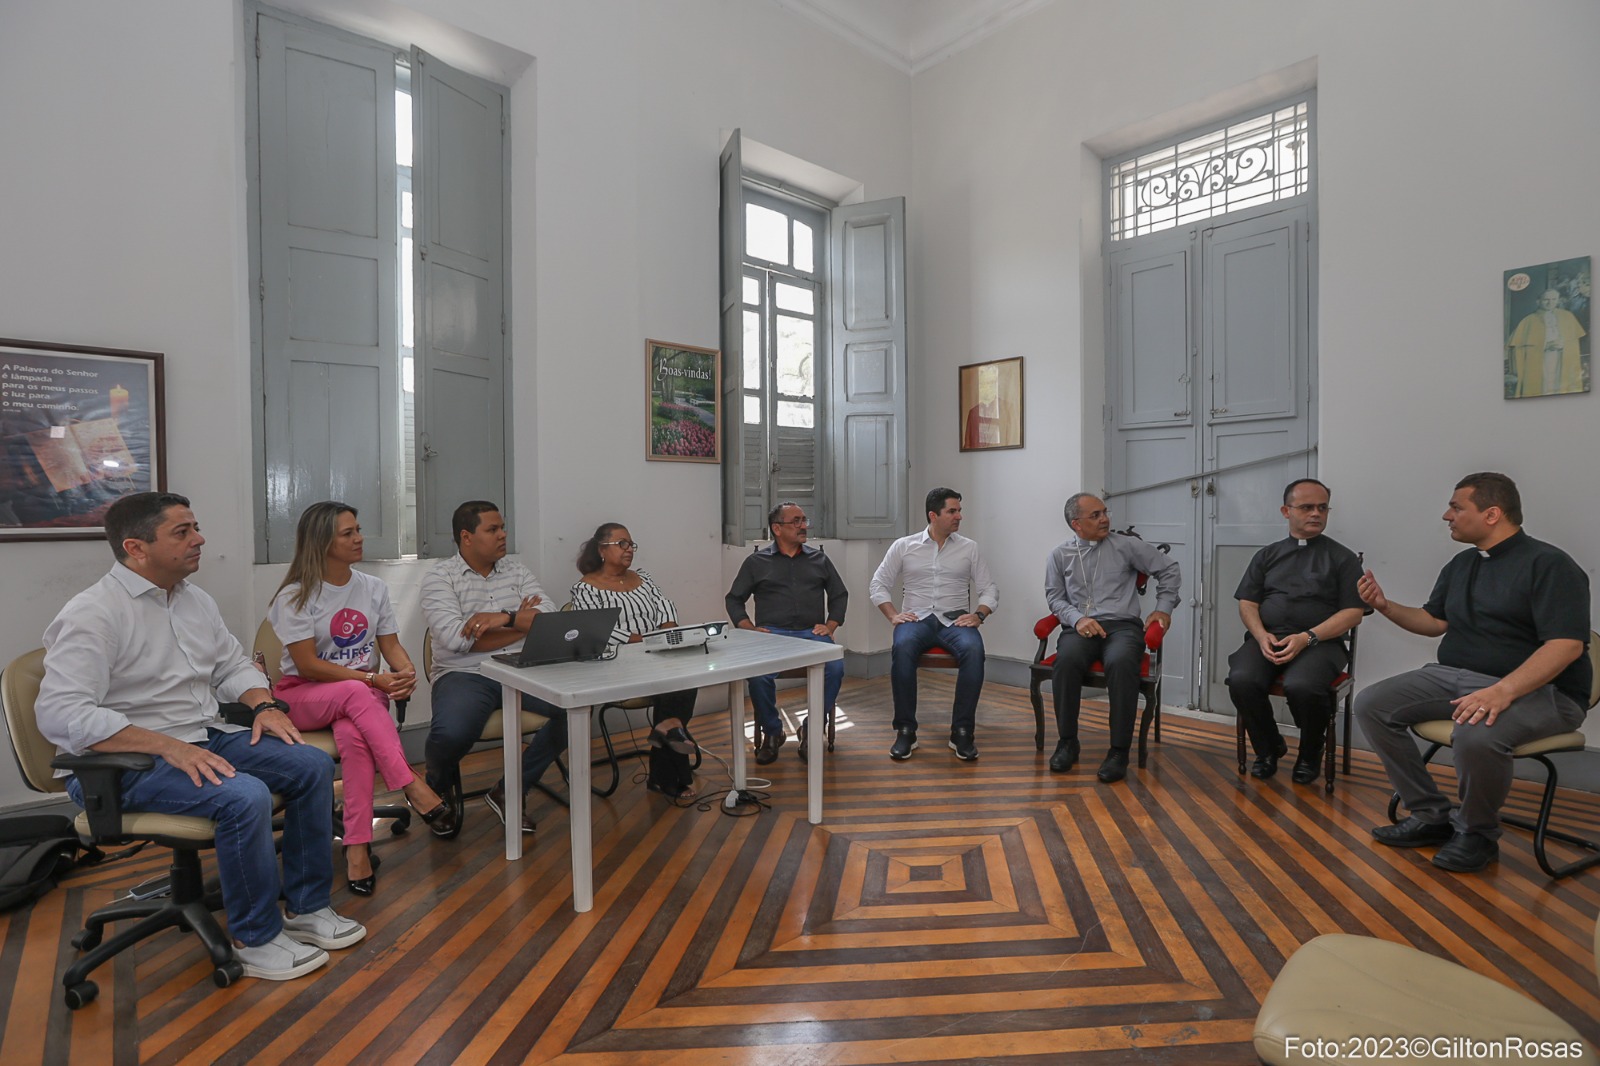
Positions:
(36, 851)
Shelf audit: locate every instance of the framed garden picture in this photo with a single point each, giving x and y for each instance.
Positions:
(80, 428)
(682, 394)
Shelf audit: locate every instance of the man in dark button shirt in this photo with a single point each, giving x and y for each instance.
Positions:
(1514, 615)
(1297, 598)
(798, 594)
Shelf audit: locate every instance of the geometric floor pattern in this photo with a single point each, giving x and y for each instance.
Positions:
(944, 912)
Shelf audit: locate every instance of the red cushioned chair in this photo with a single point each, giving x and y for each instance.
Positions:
(1149, 683)
(1341, 690)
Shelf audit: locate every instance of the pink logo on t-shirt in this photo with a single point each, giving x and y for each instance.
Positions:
(349, 626)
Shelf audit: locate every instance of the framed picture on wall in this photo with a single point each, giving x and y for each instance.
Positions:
(682, 395)
(1547, 343)
(80, 428)
(991, 405)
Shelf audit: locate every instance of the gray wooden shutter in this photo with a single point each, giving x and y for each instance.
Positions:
(867, 379)
(330, 379)
(461, 327)
(735, 475)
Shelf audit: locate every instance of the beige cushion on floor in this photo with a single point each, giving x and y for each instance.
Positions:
(1339, 986)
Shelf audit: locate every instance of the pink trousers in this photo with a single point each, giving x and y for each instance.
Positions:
(367, 739)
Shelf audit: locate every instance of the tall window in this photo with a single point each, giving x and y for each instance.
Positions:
(813, 316)
(783, 337)
(378, 268)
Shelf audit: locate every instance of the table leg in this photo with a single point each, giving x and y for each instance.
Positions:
(817, 741)
(511, 753)
(582, 805)
(736, 730)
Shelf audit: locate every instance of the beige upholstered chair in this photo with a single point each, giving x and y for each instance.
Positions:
(1437, 734)
(271, 650)
(103, 822)
(1337, 988)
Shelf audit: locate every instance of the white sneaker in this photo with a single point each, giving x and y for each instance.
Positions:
(280, 959)
(325, 929)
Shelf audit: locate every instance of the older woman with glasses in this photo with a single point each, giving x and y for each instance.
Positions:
(609, 580)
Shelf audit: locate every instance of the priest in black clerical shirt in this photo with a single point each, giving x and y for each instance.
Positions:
(1297, 598)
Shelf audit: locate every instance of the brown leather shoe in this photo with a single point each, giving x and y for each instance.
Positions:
(767, 750)
(496, 799)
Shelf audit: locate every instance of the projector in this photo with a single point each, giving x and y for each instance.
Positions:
(695, 636)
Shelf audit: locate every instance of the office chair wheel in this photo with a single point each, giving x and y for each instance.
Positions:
(227, 973)
(402, 822)
(87, 940)
(81, 995)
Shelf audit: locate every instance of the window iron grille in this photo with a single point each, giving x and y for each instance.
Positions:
(1255, 161)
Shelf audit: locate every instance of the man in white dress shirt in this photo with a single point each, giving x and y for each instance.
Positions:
(936, 568)
(478, 602)
(136, 663)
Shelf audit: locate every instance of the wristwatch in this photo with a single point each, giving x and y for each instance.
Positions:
(511, 619)
(1312, 640)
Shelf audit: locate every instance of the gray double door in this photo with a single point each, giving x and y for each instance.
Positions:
(1211, 411)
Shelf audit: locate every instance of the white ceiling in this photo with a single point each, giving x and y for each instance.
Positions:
(912, 35)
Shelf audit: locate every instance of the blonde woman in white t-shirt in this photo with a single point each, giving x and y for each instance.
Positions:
(333, 622)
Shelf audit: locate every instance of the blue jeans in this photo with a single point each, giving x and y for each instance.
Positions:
(764, 689)
(911, 639)
(462, 704)
(242, 808)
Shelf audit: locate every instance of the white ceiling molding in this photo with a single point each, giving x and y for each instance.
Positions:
(912, 35)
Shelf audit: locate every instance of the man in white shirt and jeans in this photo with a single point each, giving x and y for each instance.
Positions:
(936, 568)
(136, 663)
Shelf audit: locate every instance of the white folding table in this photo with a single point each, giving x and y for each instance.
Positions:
(580, 687)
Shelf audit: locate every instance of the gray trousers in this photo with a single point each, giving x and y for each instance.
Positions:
(1389, 708)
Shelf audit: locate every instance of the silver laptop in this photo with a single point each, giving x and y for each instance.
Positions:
(564, 637)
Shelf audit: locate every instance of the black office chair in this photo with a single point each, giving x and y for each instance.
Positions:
(103, 823)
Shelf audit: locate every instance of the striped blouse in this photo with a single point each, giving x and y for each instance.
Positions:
(643, 608)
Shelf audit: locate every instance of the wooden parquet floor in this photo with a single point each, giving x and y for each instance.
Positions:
(944, 912)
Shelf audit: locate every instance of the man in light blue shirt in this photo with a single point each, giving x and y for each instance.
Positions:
(936, 566)
(1091, 584)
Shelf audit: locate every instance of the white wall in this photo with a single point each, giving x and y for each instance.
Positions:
(124, 224)
(1454, 143)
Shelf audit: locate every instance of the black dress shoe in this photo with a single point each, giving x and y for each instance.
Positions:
(1413, 833)
(1307, 772)
(1267, 765)
(961, 743)
(767, 750)
(1466, 853)
(905, 742)
(1115, 768)
(1066, 754)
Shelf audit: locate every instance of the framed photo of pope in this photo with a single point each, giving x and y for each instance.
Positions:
(1547, 341)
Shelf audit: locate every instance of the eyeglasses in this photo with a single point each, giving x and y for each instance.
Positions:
(1310, 508)
(801, 520)
(625, 545)
(1093, 516)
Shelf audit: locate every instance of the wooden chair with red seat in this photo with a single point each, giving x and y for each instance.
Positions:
(1341, 690)
(1043, 666)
